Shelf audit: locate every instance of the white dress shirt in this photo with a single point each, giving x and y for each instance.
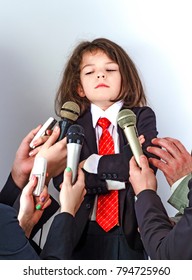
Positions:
(91, 164)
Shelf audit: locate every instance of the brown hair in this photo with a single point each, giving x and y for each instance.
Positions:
(131, 93)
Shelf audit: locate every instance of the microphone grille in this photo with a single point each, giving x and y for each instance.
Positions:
(75, 129)
(75, 134)
(126, 117)
(70, 110)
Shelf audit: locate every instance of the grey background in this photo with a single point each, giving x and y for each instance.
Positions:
(36, 37)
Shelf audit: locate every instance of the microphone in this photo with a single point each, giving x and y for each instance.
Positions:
(75, 138)
(69, 113)
(126, 119)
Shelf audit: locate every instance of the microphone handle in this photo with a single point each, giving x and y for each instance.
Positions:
(73, 156)
(64, 124)
(131, 135)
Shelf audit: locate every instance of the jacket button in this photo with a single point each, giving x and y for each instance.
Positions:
(99, 189)
(114, 175)
(103, 176)
(88, 205)
(109, 176)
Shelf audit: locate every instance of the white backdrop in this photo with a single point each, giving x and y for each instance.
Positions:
(36, 36)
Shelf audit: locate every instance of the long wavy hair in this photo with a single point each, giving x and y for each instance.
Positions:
(132, 92)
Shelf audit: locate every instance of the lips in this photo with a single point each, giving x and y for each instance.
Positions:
(102, 85)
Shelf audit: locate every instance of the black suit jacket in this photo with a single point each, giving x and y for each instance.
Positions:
(162, 240)
(10, 195)
(14, 245)
(114, 167)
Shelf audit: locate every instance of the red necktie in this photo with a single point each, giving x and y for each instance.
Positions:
(107, 205)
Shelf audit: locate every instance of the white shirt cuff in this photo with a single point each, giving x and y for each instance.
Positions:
(176, 184)
(91, 163)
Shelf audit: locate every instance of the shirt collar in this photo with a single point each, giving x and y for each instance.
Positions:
(110, 113)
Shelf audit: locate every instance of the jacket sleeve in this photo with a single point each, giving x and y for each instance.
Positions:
(14, 245)
(161, 240)
(10, 192)
(60, 239)
(179, 198)
(116, 166)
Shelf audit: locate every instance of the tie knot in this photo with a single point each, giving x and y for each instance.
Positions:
(104, 123)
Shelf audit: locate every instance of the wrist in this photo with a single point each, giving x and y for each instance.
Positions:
(19, 179)
(26, 225)
(68, 210)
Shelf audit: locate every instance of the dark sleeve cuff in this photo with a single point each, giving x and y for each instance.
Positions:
(60, 239)
(9, 192)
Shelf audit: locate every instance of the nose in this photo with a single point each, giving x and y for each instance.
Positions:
(101, 75)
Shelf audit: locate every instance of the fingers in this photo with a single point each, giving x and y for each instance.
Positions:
(31, 134)
(81, 176)
(178, 144)
(144, 162)
(67, 180)
(133, 163)
(29, 188)
(40, 141)
(54, 136)
(172, 148)
(162, 154)
(141, 139)
(46, 203)
(43, 201)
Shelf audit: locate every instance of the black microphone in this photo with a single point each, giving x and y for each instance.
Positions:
(126, 119)
(75, 139)
(69, 113)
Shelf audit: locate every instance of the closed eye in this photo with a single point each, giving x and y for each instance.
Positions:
(88, 73)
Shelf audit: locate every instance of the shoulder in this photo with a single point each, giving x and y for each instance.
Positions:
(145, 110)
(146, 120)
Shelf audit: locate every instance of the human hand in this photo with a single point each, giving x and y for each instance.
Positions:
(23, 163)
(32, 207)
(71, 196)
(142, 178)
(141, 139)
(175, 161)
(55, 153)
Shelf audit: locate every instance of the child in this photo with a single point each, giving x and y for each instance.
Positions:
(102, 79)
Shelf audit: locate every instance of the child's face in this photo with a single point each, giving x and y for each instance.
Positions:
(100, 79)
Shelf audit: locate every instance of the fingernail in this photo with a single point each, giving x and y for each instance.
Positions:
(33, 177)
(31, 153)
(42, 199)
(67, 169)
(38, 207)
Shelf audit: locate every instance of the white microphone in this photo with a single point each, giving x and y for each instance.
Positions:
(75, 138)
(126, 119)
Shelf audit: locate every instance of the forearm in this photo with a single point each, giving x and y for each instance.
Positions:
(154, 224)
(60, 239)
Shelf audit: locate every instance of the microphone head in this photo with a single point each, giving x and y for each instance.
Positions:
(126, 118)
(70, 110)
(75, 134)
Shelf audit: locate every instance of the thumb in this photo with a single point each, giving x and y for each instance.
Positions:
(29, 188)
(68, 176)
(143, 162)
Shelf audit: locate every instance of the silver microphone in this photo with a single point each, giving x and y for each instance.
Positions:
(75, 138)
(126, 119)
